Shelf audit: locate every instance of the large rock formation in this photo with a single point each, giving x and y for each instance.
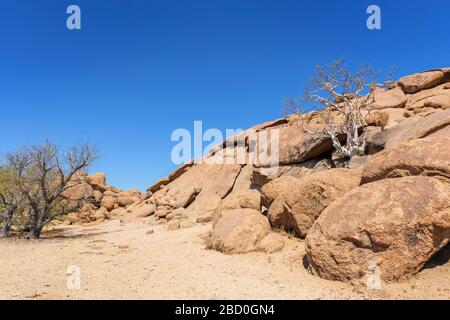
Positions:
(409, 129)
(244, 199)
(205, 205)
(239, 231)
(277, 187)
(428, 157)
(394, 98)
(414, 107)
(97, 181)
(436, 97)
(78, 191)
(420, 81)
(349, 228)
(300, 202)
(394, 225)
(99, 201)
(262, 176)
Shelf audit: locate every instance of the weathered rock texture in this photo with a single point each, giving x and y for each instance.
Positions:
(394, 225)
(428, 157)
(394, 98)
(409, 129)
(277, 187)
(420, 81)
(239, 231)
(299, 203)
(99, 200)
(391, 222)
(245, 199)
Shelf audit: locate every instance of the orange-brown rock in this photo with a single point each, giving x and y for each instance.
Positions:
(437, 97)
(396, 115)
(394, 98)
(239, 231)
(271, 243)
(98, 195)
(298, 205)
(409, 129)
(160, 183)
(392, 225)
(244, 179)
(378, 119)
(125, 201)
(218, 179)
(183, 199)
(421, 81)
(427, 157)
(244, 199)
(446, 72)
(78, 191)
(97, 181)
(445, 132)
(262, 176)
(109, 202)
(295, 145)
(273, 189)
(137, 212)
(204, 206)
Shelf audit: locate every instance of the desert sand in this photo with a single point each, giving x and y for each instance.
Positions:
(138, 261)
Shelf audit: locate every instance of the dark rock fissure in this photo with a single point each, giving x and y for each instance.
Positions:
(440, 258)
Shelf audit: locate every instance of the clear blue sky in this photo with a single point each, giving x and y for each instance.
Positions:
(140, 69)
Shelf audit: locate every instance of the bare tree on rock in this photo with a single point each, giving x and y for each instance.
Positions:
(343, 98)
(42, 174)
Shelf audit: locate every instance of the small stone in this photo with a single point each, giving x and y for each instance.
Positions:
(148, 221)
(186, 224)
(205, 217)
(271, 243)
(161, 221)
(162, 211)
(173, 225)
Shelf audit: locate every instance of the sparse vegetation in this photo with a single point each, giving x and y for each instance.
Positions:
(344, 98)
(11, 200)
(33, 180)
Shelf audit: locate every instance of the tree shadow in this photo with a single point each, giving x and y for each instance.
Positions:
(49, 235)
(56, 236)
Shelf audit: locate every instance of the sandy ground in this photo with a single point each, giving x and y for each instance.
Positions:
(126, 262)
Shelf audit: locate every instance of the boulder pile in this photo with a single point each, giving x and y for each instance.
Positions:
(395, 225)
(297, 204)
(399, 216)
(388, 210)
(100, 201)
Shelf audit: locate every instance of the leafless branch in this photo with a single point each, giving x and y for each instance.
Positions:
(343, 98)
(42, 174)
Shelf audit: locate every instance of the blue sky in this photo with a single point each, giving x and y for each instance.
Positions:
(140, 69)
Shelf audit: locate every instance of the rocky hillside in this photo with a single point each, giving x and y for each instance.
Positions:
(388, 210)
(101, 201)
